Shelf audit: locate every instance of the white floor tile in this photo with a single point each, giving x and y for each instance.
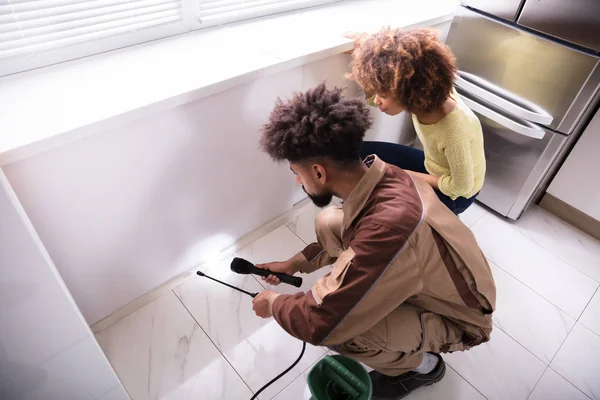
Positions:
(591, 315)
(472, 214)
(500, 368)
(578, 360)
(452, 387)
(304, 224)
(280, 245)
(563, 285)
(528, 318)
(266, 353)
(257, 348)
(223, 313)
(562, 239)
(298, 389)
(160, 347)
(213, 382)
(552, 386)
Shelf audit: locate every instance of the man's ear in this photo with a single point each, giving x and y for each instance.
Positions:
(320, 173)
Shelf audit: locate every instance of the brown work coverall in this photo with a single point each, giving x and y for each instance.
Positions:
(407, 277)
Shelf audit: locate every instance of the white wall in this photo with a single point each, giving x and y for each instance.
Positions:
(572, 183)
(47, 351)
(128, 209)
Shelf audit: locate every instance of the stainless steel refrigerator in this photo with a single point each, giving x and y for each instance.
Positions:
(530, 70)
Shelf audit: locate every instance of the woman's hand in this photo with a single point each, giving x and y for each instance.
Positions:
(430, 179)
(284, 267)
(357, 37)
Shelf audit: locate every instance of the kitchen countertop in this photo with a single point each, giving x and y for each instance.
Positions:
(52, 106)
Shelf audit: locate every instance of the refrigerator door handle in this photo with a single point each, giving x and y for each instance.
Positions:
(524, 128)
(502, 98)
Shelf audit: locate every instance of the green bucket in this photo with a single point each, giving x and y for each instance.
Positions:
(339, 378)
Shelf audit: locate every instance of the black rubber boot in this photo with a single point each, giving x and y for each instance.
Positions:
(397, 387)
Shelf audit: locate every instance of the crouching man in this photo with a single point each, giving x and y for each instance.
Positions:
(408, 280)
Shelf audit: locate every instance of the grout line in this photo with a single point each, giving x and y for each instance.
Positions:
(592, 331)
(298, 377)
(538, 382)
(285, 224)
(571, 383)
(566, 262)
(465, 379)
(565, 378)
(549, 302)
(298, 236)
(588, 304)
(549, 250)
(257, 279)
(519, 231)
(562, 259)
(563, 343)
(523, 346)
(214, 344)
(485, 212)
(532, 289)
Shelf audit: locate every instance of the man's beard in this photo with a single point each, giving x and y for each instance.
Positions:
(319, 200)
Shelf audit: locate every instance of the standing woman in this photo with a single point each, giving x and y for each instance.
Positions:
(412, 70)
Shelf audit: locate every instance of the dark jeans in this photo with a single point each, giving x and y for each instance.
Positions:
(414, 160)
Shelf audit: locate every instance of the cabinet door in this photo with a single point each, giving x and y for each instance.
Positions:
(575, 182)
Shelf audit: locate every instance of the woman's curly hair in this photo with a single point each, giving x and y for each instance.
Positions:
(314, 124)
(413, 66)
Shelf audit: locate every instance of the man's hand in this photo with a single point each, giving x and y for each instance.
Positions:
(263, 303)
(284, 267)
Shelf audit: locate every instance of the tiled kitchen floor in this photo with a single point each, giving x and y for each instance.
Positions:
(203, 341)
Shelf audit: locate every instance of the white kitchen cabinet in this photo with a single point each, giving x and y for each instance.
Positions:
(574, 194)
(46, 348)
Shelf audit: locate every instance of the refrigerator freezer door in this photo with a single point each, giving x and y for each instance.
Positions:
(576, 21)
(502, 98)
(506, 9)
(518, 156)
(548, 78)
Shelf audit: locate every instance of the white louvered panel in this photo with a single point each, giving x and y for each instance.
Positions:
(36, 18)
(65, 23)
(216, 12)
(43, 25)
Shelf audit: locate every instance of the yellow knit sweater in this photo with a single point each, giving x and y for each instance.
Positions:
(454, 151)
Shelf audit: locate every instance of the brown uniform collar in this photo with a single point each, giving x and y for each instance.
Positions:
(361, 193)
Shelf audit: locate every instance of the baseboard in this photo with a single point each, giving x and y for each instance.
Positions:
(152, 295)
(577, 218)
(140, 302)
